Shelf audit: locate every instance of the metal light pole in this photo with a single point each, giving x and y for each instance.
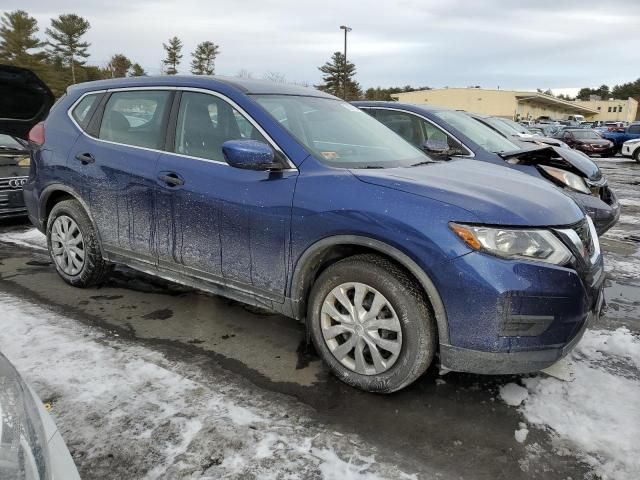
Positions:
(346, 29)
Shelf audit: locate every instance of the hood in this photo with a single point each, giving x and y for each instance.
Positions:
(496, 195)
(559, 157)
(24, 100)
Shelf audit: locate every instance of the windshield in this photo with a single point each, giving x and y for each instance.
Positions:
(7, 141)
(515, 125)
(339, 134)
(477, 132)
(586, 134)
(501, 127)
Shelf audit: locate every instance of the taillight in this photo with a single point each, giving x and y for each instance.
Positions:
(36, 135)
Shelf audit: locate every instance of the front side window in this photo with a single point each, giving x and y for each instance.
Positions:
(81, 111)
(205, 122)
(416, 130)
(406, 125)
(135, 118)
(339, 134)
(635, 129)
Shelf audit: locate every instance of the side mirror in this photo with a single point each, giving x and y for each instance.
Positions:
(249, 155)
(440, 148)
(436, 147)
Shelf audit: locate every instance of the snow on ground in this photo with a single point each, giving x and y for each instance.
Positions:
(597, 415)
(127, 412)
(32, 238)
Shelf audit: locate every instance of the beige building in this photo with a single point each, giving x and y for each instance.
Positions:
(516, 104)
(618, 110)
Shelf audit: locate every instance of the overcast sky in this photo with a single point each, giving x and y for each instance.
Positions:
(557, 44)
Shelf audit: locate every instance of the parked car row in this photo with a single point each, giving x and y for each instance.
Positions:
(445, 134)
(460, 242)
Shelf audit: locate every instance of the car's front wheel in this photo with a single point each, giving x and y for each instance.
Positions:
(636, 155)
(73, 245)
(371, 324)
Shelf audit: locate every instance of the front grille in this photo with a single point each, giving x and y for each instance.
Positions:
(11, 192)
(12, 183)
(584, 233)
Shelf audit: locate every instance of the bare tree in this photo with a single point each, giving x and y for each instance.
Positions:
(276, 77)
(244, 73)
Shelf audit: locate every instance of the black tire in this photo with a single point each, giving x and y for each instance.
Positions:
(95, 269)
(412, 310)
(636, 155)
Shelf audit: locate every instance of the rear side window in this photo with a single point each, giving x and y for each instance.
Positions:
(135, 118)
(81, 111)
(634, 129)
(205, 122)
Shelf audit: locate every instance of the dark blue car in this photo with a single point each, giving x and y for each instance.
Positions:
(445, 134)
(295, 201)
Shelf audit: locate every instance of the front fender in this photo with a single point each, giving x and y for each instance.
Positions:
(306, 265)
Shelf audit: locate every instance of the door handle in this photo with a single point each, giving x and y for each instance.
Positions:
(85, 158)
(171, 179)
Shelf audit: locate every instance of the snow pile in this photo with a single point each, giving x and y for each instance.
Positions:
(32, 238)
(597, 415)
(127, 412)
(513, 394)
(521, 433)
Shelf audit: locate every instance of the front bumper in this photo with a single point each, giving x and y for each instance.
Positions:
(515, 362)
(627, 151)
(603, 210)
(596, 150)
(509, 316)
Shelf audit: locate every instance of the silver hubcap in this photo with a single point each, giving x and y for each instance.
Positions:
(67, 246)
(361, 328)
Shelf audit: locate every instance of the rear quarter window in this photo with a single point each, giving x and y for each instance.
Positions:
(80, 112)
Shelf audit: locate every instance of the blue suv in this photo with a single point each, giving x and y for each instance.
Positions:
(292, 200)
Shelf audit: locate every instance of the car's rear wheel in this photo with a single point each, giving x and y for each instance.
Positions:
(73, 245)
(370, 323)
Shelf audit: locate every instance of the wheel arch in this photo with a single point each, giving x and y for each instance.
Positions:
(56, 193)
(319, 255)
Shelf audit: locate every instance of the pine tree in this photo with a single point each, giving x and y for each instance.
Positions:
(334, 73)
(137, 71)
(204, 58)
(65, 39)
(173, 57)
(17, 39)
(119, 65)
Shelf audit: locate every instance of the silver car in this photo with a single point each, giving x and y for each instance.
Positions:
(31, 448)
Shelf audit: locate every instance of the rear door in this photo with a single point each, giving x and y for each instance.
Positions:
(117, 157)
(24, 100)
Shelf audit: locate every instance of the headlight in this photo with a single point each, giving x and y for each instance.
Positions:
(569, 179)
(538, 245)
(24, 161)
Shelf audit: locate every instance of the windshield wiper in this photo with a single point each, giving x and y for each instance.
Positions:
(423, 162)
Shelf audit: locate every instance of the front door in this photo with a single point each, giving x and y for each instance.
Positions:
(216, 222)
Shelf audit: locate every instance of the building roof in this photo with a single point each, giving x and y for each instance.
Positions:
(520, 95)
(553, 101)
